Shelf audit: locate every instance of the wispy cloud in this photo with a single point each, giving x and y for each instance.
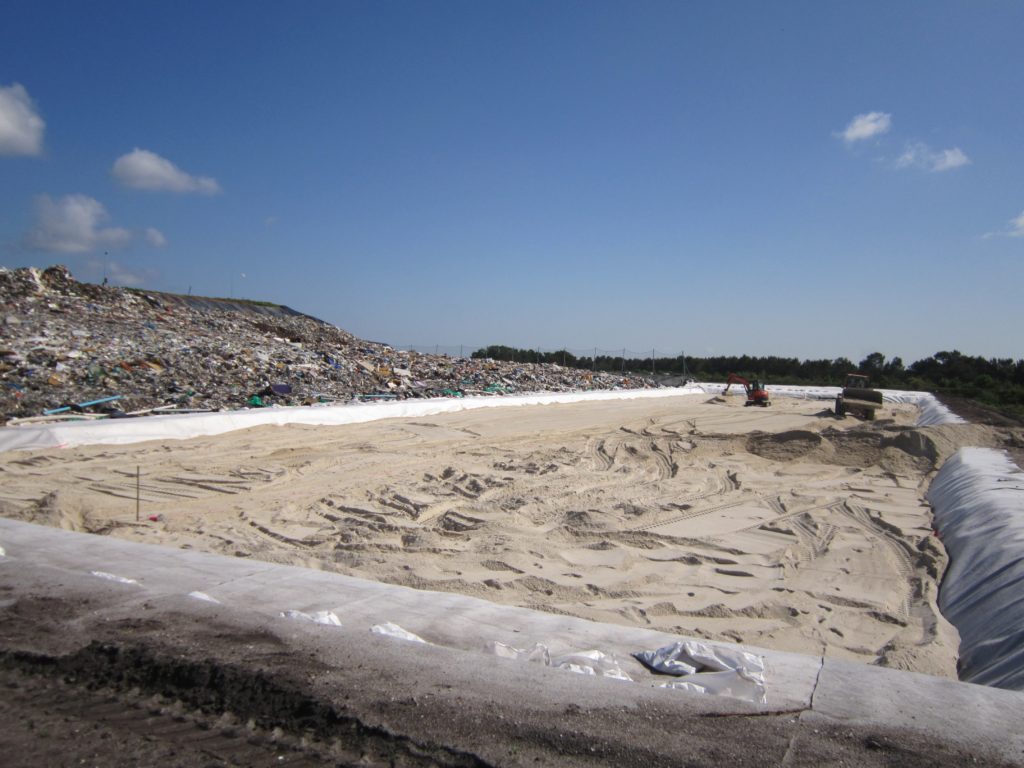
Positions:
(1015, 228)
(142, 169)
(920, 155)
(21, 127)
(866, 126)
(72, 224)
(155, 237)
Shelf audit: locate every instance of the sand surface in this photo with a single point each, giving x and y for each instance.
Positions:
(780, 527)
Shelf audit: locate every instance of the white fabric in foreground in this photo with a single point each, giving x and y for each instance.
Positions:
(113, 577)
(978, 499)
(328, 618)
(709, 669)
(591, 662)
(389, 629)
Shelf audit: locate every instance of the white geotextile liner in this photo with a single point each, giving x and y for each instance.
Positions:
(932, 412)
(184, 426)
(978, 500)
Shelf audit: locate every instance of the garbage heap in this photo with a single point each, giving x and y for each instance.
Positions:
(66, 344)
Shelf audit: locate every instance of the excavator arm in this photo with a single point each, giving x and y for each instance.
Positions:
(735, 379)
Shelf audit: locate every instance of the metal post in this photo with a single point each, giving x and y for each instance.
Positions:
(652, 362)
(595, 359)
(138, 488)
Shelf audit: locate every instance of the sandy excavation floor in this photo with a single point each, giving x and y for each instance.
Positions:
(780, 527)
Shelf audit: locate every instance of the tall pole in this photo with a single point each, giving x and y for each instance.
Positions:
(652, 362)
(138, 489)
(595, 359)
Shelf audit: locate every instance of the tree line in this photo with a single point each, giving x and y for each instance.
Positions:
(994, 381)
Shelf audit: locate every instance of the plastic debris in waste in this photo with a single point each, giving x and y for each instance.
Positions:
(318, 617)
(709, 669)
(204, 597)
(592, 662)
(393, 630)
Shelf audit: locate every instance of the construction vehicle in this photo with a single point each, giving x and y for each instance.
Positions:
(756, 394)
(858, 398)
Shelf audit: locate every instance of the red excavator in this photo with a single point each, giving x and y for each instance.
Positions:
(756, 394)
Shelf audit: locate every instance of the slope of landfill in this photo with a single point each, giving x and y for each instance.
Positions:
(65, 343)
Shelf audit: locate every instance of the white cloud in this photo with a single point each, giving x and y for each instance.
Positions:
(143, 169)
(1017, 226)
(950, 158)
(920, 155)
(866, 126)
(155, 237)
(21, 127)
(71, 224)
(1016, 229)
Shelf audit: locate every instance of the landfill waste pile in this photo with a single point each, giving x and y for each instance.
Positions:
(72, 350)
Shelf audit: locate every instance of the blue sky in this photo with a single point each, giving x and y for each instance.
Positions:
(803, 179)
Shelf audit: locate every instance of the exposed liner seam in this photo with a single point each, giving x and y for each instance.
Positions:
(799, 719)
